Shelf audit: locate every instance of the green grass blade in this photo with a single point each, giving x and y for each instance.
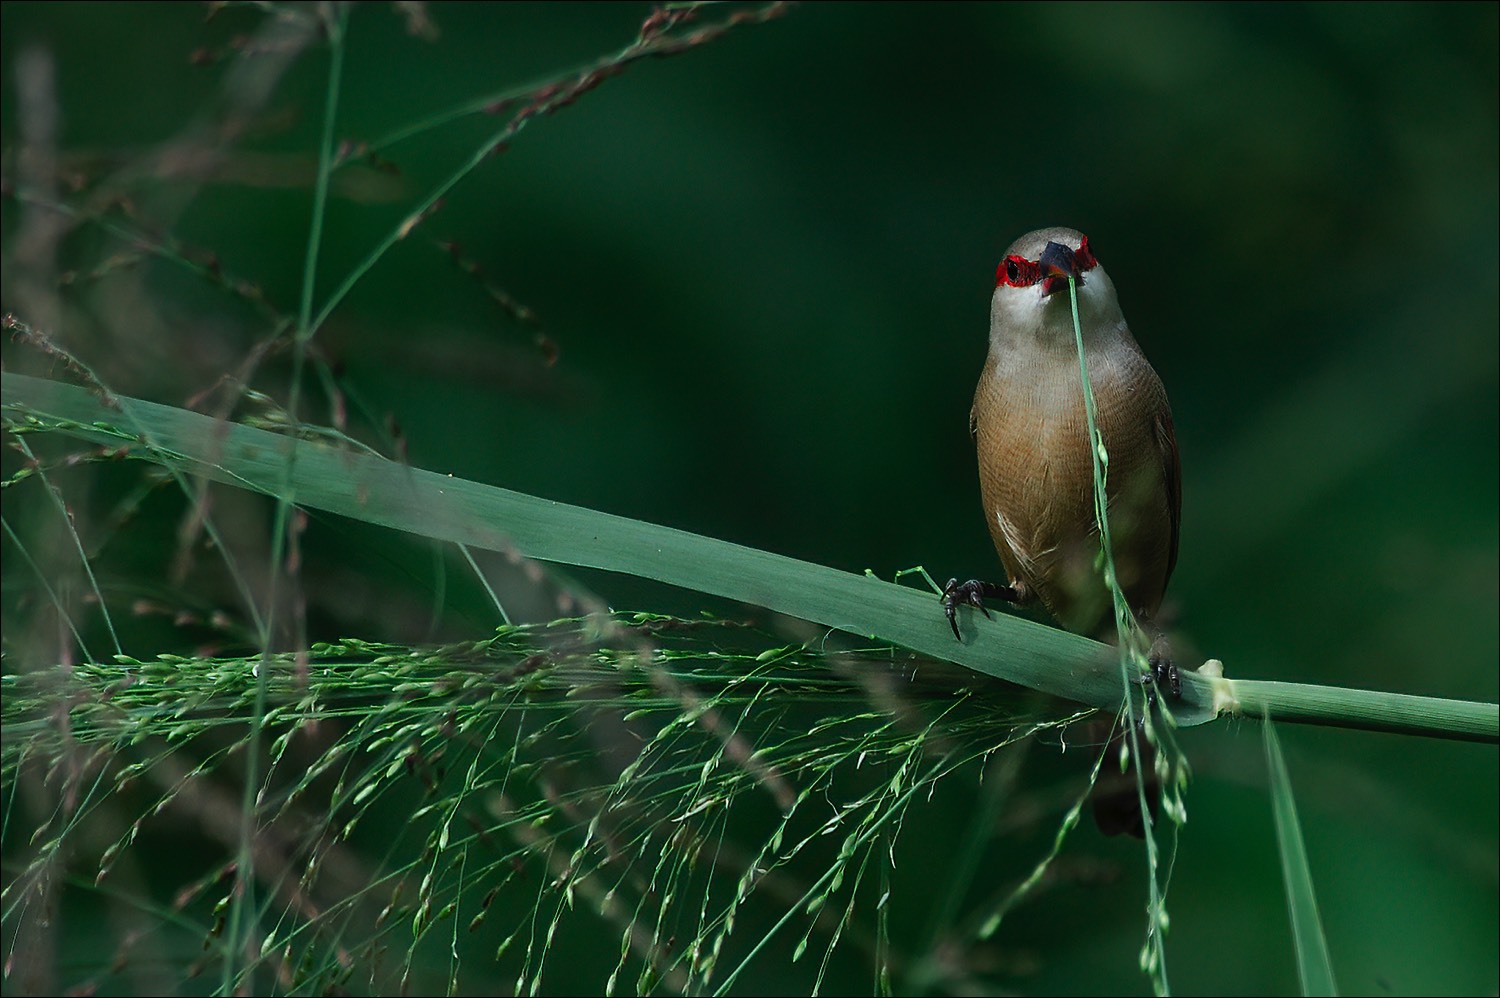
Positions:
(379, 491)
(1313, 965)
(375, 490)
(1371, 710)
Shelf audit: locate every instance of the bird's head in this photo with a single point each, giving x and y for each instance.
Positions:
(1031, 289)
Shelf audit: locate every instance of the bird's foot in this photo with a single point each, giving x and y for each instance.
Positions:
(973, 593)
(1160, 675)
(1164, 670)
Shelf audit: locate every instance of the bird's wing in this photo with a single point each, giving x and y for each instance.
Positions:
(1166, 443)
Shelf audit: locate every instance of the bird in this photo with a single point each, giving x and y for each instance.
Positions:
(1036, 474)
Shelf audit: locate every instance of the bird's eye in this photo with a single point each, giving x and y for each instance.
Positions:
(1017, 272)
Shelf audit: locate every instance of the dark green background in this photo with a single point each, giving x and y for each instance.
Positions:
(766, 264)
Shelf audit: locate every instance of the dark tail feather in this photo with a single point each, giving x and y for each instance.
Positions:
(1116, 802)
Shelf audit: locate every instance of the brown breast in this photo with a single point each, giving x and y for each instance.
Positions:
(1036, 478)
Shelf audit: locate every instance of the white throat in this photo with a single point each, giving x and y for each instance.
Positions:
(1025, 318)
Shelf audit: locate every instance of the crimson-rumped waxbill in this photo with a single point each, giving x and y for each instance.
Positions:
(1036, 471)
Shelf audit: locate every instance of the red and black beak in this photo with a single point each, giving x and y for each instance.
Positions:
(1057, 264)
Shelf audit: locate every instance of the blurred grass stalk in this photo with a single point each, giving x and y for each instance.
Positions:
(379, 491)
(1314, 966)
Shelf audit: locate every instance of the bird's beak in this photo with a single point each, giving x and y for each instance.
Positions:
(1058, 263)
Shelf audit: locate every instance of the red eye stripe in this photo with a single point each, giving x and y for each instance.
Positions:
(1086, 259)
(1017, 272)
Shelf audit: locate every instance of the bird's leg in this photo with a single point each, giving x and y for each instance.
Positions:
(974, 593)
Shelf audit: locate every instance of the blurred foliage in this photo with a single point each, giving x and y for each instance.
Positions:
(755, 280)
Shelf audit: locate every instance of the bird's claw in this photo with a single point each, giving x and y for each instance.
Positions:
(971, 593)
(1161, 674)
(1164, 669)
